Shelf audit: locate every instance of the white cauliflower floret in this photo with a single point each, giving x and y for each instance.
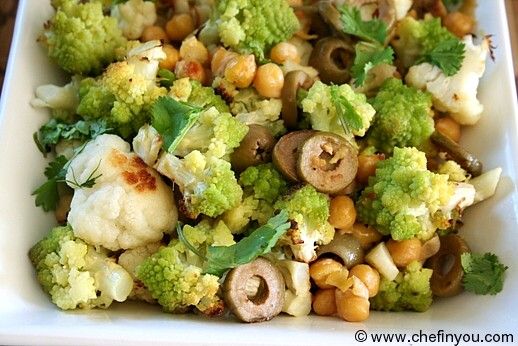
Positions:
(457, 94)
(133, 17)
(297, 298)
(63, 100)
(147, 144)
(146, 58)
(129, 260)
(128, 206)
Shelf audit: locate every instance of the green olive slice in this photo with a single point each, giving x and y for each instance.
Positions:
(292, 82)
(285, 153)
(465, 159)
(255, 148)
(447, 274)
(328, 162)
(332, 58)
(267, 300)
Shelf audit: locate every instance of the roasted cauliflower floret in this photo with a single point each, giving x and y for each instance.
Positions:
(128, 206)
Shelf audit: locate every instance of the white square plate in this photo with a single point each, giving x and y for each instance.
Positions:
(28, 317)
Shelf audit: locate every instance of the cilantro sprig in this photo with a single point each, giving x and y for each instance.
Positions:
(483, 274)
(173, 119)
(349, 117)
(367, 56)
(448, 55)
(260, 242)
(374, 30)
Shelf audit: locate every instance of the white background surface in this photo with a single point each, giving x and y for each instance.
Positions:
(28, 317)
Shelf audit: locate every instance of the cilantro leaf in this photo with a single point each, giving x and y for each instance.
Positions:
(483, 274)
(221, 258)
(55, 130)
(173, 119)
(368, 56)
(348, 115)
(374, 30)
(451, 4)
(166, 77)
(447, 55)
(47, 195)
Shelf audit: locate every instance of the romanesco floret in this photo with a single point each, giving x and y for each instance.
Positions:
(409, 291)
(174, 276)
(214, 132)
(253, 26)
(249, 108)
(124, 94)
(417, 38)
(262, 186)
(454, 171)
(175, 284)
(80, 39)
(308, 212)
(403, 117)
(205, 97)
(320, 105)
(404, 199)
(75, 275)
(207, 183)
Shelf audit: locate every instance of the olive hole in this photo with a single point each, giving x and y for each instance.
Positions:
(325, 161)
(340, 57)
(446, 263)
(256, 290)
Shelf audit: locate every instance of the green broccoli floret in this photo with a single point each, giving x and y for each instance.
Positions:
(262, 185)
(124, 94)
(80, 39)
(76, 275)
(404, 198)
(174, 277)
(403, 117)
(409, 291)
(250, 108)
(308, 212)
(253, 26)
(214, 132)
(207, 183)
(418, 38)
(321, 105)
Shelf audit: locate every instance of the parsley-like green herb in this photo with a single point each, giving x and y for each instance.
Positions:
(47, 195)
(374, 30)
(367, 56)
(166, 77)
(348, 116)
(55, 130)
(483, 274)
(260, 242)
(448, 55)
(451, 4)
(88, 183)
(173, 119)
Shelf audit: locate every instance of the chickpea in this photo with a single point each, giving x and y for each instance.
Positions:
(220, 59)
(240, 70)
(320, 269)
(179, 26)
(448, 127)
(269, 80)
(342, 213)
(191, 69)
(459, 23)
(405, 251)
(192, 49)
(283, 52)
(172, 57)
(367, 235)
(367, 167)
(324, 302)
(369, 276)
(350, 307)
(154, 32)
